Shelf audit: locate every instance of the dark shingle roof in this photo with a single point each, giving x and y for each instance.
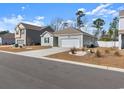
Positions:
(68, 31)
(8, 35)
(71, 31)
(30, 26)
(37, 28)
(121, 13)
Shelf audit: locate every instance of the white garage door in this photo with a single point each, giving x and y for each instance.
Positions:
(70, 43)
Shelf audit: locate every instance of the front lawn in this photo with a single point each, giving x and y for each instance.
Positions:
(109, 57)
(17, 49)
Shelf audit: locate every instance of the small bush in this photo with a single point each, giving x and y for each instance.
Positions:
(91, 51)
(20, 46)
(98, 53)
(92, 46)
(107, 51)
(83, 49)
(73, 50)
(117, 53)
(16, 45)
(37, 44)
(105, 39)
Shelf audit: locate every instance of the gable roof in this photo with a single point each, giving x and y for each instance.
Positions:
(37, 28)
(71, 31)
(30, 26)
(51, 33)
(67, 31)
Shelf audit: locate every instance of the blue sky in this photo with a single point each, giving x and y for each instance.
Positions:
(43, 13)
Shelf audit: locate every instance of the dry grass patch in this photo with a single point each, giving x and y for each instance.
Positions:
(113, 59)
(117, 53)
(98, 54)
(107, 51)
(18, 49)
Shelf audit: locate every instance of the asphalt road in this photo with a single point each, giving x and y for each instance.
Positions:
(19, 72)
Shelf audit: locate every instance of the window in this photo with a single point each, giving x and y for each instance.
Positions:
(20, 41)
(46, 40)
(17, 30)
(22, 31)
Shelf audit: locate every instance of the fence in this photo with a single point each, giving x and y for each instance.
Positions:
(108, 43)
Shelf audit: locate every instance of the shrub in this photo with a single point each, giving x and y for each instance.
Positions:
(98, 53)
(107, 51)
(16, 45)
(92, 46)
(37, 44)
(20, 46)
(73, 50)
(105, 39)
(117, 53)
(91, 51)
(83, 49)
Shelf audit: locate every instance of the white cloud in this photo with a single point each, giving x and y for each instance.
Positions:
(13, 20)
(9, 23)
(70, 22)
(99, 8)
(102, 10)
(35, 22)
(94, 19)
(23, 7)
(82, 9)
(39, 17)
(121, 8)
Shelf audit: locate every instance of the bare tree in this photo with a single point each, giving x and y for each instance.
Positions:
(56, 23)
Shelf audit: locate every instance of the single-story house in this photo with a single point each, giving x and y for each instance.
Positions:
(121, 29)
(69, 37)
(7, 39)
(28, 34)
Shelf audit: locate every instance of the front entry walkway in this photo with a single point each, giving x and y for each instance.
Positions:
(43, 52)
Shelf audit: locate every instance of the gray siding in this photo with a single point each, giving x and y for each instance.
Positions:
(32, 36)
(8, 41)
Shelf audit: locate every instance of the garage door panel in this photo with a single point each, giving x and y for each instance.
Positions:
(70, 43)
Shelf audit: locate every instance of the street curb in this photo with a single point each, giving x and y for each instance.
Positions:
(73, 62)
(8, 52)
(85, 64)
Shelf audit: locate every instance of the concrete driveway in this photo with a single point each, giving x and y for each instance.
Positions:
(43, 52)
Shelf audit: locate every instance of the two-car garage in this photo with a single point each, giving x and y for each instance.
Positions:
(71, 42)
(72, 37)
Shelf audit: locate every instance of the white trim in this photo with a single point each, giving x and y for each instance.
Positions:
(45, 33)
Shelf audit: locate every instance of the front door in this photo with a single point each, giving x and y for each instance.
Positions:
(122, 42)
(55, 41)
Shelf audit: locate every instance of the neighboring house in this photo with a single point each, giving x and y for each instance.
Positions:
(121, 29)
(27, 34)
(7, 39)
(69, 37)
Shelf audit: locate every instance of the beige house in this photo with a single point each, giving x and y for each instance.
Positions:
(69, 37)
(27, 34)
(121, 29)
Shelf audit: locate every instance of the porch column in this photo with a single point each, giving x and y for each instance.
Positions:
(120, 41)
